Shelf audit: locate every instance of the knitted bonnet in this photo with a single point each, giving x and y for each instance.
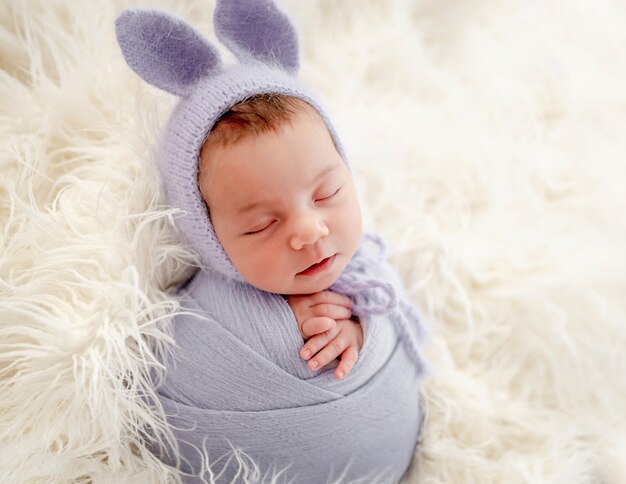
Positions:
(169, 54)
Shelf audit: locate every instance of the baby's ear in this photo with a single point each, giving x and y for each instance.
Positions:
(257, 29)
(164, 51)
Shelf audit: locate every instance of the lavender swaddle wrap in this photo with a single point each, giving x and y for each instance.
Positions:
(236, 378)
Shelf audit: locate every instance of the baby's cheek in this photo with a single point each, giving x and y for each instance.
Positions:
(257, 267)
(245, 261)
(351, 223)
(263, 268)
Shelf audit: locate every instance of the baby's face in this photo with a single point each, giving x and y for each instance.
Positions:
(281, 202)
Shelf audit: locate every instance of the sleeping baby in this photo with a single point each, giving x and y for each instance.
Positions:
(284, 207)
(297, 355)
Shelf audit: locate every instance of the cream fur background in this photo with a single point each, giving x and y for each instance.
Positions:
(489, 142)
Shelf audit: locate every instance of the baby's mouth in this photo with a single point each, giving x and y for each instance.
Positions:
(319, 267)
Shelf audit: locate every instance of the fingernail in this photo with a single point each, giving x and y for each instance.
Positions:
(314, 364)
(306, 353)
(340, 375)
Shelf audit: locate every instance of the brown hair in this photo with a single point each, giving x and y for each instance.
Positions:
(261, 113)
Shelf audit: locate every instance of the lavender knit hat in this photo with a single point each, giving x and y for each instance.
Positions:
(169, 54)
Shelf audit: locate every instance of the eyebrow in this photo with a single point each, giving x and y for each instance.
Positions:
(252, 205)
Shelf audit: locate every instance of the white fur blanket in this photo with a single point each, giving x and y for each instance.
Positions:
(489, 143)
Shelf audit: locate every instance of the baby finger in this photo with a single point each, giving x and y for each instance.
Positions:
(331, 297)
(317, 325)
(334, 311)
(348, 360)
(328, 353)
(317, 342)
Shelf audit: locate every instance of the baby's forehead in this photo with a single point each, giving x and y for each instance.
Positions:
(222, 137)
(301, 160)
(225, 133)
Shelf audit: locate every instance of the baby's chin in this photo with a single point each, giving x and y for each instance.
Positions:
(297, 287)
(311, 287)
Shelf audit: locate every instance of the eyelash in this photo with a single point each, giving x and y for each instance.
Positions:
(329, 196)
(257, 232)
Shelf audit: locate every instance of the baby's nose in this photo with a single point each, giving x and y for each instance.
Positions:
(309, 230)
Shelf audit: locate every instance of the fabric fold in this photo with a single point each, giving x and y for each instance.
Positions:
(368, 433)
(236, 381)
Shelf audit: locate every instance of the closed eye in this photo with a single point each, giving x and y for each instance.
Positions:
(329, 196)
(255, 232)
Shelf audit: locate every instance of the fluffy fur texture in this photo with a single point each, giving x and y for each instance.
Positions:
(488, 140)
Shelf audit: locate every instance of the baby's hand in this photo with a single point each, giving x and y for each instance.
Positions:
(324, 317)
(316, 313)
(345, 339)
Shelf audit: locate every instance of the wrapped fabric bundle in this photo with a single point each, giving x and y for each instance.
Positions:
(235, 379)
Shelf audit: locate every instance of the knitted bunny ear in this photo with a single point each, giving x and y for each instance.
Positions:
(258, 29)
(163, 50)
